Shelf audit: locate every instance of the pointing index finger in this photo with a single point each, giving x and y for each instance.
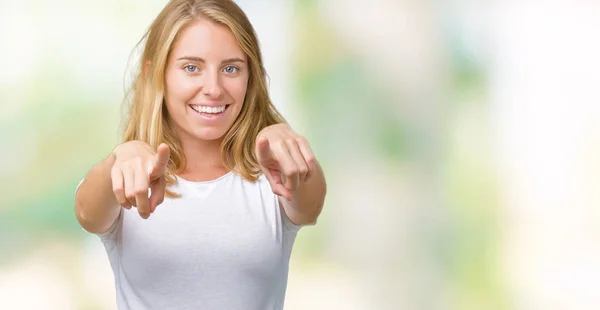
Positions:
(263, 149)
(161, 161)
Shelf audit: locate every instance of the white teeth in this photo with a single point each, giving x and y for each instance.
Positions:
(206, 109)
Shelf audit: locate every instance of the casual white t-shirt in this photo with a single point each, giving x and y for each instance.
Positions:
(225, 244)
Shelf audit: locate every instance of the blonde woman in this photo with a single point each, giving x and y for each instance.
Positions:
(200, 205)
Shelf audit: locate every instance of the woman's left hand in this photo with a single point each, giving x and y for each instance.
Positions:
(285, 158)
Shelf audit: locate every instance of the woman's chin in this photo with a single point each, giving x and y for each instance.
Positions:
(209, 134)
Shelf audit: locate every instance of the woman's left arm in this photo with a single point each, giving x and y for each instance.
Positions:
(293, 172)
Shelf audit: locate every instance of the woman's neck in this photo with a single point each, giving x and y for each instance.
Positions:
(203, 160)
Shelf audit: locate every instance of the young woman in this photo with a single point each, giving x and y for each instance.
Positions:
(199, 207)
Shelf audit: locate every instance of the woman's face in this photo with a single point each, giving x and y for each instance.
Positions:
(205, 79)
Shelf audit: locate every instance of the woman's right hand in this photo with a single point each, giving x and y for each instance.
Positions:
(136, 169)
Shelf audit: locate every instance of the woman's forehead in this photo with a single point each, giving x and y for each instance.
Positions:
(208, 40)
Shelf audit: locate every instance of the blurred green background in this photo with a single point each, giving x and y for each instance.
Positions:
(459, 141)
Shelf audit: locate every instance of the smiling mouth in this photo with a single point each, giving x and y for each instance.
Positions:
(209, 110)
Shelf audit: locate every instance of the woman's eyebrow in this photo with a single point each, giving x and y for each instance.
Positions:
(200, 59)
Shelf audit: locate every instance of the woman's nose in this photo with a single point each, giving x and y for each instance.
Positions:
(212, 87)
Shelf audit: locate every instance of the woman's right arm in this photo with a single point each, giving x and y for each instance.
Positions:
(122, 180)
(96, 206)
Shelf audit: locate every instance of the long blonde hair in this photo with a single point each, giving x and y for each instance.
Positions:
(147, 116)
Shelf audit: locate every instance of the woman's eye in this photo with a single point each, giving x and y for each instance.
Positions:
(230, 69)
(191, 68)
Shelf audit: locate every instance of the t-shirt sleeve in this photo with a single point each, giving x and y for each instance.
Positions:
(287, 223)
(109, 237)
(272, 201)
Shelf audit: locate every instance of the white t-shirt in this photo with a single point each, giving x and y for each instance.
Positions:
(225, 244)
